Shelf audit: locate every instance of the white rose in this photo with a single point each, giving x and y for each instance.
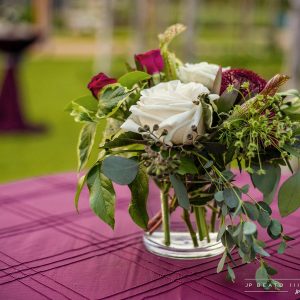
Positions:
(170, 105)
(203, 72)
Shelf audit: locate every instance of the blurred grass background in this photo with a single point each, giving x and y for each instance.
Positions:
(50, 82)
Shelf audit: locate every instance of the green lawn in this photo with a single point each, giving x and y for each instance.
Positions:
(48, 85)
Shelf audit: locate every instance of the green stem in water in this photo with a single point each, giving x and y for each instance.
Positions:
(187, 220)
(203, 223)
(198, 222)
(165, 214)
(213, 218)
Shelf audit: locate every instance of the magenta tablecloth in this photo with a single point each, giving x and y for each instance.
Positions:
(47, 251)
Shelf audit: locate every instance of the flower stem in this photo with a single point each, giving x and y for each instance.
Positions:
(198, 222)
(203, 223)
(187, 220)
(165, 214)
(213, 218)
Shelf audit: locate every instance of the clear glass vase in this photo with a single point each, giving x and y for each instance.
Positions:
(181, 245)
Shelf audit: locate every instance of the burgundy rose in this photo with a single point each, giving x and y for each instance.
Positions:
(98, 82)
(150, 61)
(256, 83)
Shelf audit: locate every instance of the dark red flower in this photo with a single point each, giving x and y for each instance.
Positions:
(150, 61)
(256, 83)
(98, 82)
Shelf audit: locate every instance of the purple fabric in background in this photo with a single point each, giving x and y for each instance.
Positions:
(48, 251)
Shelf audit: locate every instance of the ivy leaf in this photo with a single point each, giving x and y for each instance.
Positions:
(289, 195)
(180, 191)
(83, 109)
(119, 169)
(102, 195)
(111, 98)
(80, 185)
(139, 193)
(85, 143)
(268, 182)
(130, 79)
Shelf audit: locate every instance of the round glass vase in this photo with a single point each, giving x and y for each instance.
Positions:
(182, 244)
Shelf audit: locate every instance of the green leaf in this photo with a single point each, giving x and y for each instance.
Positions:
(288, 238)
(85, 143)
(180, 191)
(269, 269)
(289, 195)
(292, 150)
(226, 101)
(245, 189)
(275, 228)
(111, 98)
(260, 250)
(222, 262)
(208, 164)
(102, 195)
(230, 197)
(130, 79)
(139, 193)
(119, 169)
(251, 210)
(268, 182)
(187, 166)
(261, 276)
(80, 185)
(281, 247)
(249, 228)
(124, 139)
(219, 196)
(231, 274)
(264, 219)
(221, 232)
(261, 205)
(83, 109)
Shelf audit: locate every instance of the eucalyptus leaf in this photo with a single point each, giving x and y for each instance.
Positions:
(289, 195)
(260, 250)
(226, 100)
(264, 219)
(219, 197)
(261, 276)
(130, 79)
(249, 228)
(222, 262)
(281, 247)
(221, 232)
(139, 193)
(180, 191)
(231, 274)
(275, 227)
(85, 143)
(119, 169)
(251, 210)
(268, 182)
(102, 195)
(231, 197)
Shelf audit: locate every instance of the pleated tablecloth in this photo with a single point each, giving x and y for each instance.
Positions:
(48, 251)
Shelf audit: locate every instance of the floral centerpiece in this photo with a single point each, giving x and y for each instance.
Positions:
(183, 126)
